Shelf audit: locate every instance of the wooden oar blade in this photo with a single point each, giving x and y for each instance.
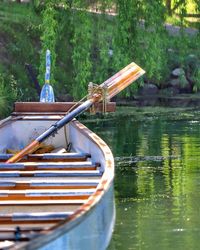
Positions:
(122, 79)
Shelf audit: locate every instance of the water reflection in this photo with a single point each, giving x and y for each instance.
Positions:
(157, 179)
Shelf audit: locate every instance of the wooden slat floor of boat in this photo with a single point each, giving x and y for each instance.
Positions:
(70, 184)
(45, 194)
(41, 216)
(38, 208)
(52, 179)
(18, 234)
(12, 233)
(6, 244)
(12, 229)
(42, 202)
(73, 156)
(42, 220)
(49, 222)
(26, 227)
(61, 157)
(42, 190)
(11, 237)
(52, 173)
(31, 166)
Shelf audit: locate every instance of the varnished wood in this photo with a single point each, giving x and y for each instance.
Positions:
(64, 157)
(23, 197)
(23, 229)
(37, 208)
(29, 149)
(8, 220)
(51, 173)
(42, 202)
(35, 167)
(32, 108)
(41, 159)
(22, 186)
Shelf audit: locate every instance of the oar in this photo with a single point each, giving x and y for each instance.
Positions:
(112, 86)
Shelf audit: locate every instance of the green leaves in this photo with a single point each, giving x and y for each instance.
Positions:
(48, 39)
(81, 42)
(8, 93)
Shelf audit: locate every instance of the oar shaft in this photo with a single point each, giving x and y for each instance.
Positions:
(27, 150)
(67, 118)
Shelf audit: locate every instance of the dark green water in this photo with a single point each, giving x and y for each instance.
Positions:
(157, 182)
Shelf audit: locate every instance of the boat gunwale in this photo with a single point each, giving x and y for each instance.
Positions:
(82, 212)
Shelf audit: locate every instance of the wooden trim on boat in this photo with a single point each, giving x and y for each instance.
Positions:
(56, 107)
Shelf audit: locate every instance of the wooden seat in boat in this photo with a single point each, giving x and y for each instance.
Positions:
(29, 184)
(50, 173)
(72, 156)
(85, 165)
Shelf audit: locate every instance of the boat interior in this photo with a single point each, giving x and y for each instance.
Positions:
(49, 185)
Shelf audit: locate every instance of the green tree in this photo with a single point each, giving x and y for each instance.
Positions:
(48, 40)
(81, 56)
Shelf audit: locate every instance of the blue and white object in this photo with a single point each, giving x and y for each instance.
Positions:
(47, 94)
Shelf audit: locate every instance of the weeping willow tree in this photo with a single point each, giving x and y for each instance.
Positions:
(101, 44)
(152, 40)
(173, 6)
(49, 34)
(185, 45)
(48, 39)
(81, 55)
(139, 36)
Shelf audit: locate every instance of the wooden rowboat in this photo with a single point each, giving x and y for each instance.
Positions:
(62, 199)
(46, 195)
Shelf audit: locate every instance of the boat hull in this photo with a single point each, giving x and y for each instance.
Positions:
(90, 225)
(93, 232)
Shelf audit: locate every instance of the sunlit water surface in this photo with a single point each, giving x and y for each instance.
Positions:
(157, 182)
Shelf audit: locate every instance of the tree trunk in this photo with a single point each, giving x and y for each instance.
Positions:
(169, 6)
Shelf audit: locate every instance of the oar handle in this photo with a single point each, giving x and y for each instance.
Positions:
(122, 79)
(109, 81)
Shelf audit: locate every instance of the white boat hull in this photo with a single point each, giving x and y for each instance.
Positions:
(90, 224)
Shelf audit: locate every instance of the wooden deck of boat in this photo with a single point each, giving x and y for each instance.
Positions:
(41, 190)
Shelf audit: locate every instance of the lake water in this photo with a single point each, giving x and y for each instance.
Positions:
(157, 182)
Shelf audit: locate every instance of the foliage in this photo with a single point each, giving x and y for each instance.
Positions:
(102, 52)
(140, 37)
(48, 39)
(81, 41)
(64, 69)
(18, 41)
(91, 47)
(153, 55)
(8, 93)
(196, 79)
